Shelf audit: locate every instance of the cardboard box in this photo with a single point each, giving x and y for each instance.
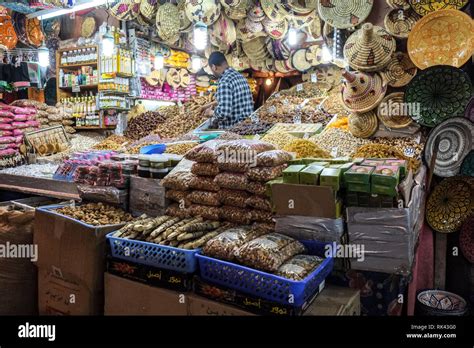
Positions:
(305, 200)
(147, 196)
(291, 175)
(70, 252)
(373, 162)
(335, 301)
(126, 297)
(402, 164)
(201, 306)
(150, 275)
(383, 190)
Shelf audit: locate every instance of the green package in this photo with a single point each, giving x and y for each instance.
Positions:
(402, 164)
(310, 175)
(270, 183)
(386, 176)
(358, 174)
(357, 187)
(314, 161)
(330, 177)
(384, 190)
(291, 175)
(373, 162)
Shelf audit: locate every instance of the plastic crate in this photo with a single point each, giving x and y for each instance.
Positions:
(151, 254)
(265, 285)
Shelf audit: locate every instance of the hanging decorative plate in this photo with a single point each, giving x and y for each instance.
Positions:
(206, 11)
(343, 14)
(253, 27)
(299, 60)
(88, 27)
(442, 38)
(362, 92)
(399, 71)
(399, 4)
(245, 35)
(363, 125)
(315, 27)
(185, 22)
(392, 112)
(273, 10)
(400, 22)
(230, 3)
(441, 303)
(148, 9)
(173, 78)
(154, 78)
(281, 67)
(184, 78)
(168, 22)
(256, 13)
(301, 21)
(276, 30)
(469, 113)
(224, 30)
(52, 27)
(314, 55)
(124, 10)
(450, 204)
(34, 33)
(369, 49)
(455, 142)
(425, 7)
(467, 167)
(466, 239)
(440, 92)
(8, 36)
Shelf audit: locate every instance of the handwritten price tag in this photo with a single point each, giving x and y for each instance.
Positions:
(314, 78)
(76, 89)
(299, 87)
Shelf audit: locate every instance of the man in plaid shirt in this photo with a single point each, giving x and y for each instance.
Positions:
(234, 99)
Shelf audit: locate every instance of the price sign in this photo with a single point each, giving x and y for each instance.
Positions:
(254, 117)
(334, 151)
(201, 94)
(314, 78)
(76, 89)
(307, 135)
(297, 119)
(256, 137)
(277, 95)
(299, 87)
(409, 152)
(272, 109)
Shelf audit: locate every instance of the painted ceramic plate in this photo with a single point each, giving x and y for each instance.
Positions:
(424, 7)
(441, 92)
(442, 38)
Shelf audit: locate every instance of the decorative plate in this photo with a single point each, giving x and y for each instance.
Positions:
(148, 9)
(276, 30)
(391, 112)
(299, 60)
(455, 142)
(88, 27)
(469, 113)
(363, 125)
(467, 167)
(424, 7)
(154, 78)
(224, 30)
(34, 33)
(400, 70)
(400, 22)
(450, 204)
(184, 78)
(466, 239)
(440, 92)
(273, 10)
(315, 27)
(124, 10)
(343, 14)
(403, 4)
(442, 38)
(173, 78)
(442, 302)
(211, 10)
(314, 55)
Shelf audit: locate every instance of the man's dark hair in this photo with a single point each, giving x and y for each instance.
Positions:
(217, 58)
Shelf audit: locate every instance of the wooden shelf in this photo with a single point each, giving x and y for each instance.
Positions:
(69, 49)
(81, 87)
(78, 65)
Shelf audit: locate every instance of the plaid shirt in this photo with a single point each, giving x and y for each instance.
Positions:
(234, 99)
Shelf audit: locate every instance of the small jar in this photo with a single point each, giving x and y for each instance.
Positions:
(158, 173)
(143, 172)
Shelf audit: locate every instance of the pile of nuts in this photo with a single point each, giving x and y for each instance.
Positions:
(280, 140)
(180, 148)
(247, 127)
(338, 142)
(144, 124)
(96, 214)
(114, 142)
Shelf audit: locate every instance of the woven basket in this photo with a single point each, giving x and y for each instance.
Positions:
(299, 61)
(211, 10)
(273, 10)
(391, 112)
(399, 71)
(239, 11)
(148, 9)
(314, 55)
(125, 10)
(315, 28)
(397, 4)
(230, 3)
(88, 27)
(369, 49)
(168, 22)
(363, 125)
(256, 13)
(275, 30)
(362, 92)
(400, 22)
(343, 14)
(185, 22)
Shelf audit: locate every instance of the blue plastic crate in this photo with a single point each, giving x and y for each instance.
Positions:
(151, 254)
(265, 285)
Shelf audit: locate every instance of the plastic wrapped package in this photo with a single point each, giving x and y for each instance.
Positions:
(178, 196)
(310, 228)
(232, 166)
(261, 215)
(233, 181)
(236, 215)
(6, 140)
(242, 145)
(204, 153)
(233, 198)
(178, 180)
(5, 120)
(5, 133)
(299, 267)
(6, 113)
(107, 194)
(257, 188)
(178, 211)
(264, 174)
(6, 126)
(259, 202)
(205, 169)
(205, 198)
(205, 211)
(273, 158)
(204, 183)
(224, 245)
(269, 252)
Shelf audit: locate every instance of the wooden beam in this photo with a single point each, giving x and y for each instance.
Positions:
(39, 186)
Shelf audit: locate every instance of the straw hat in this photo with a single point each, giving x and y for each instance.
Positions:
(168, 22)
(391, 112)
(125, 10)
(343, 14)
(244, 34)
(148, 9)
(400, 22)
(363, 125)
(255, 49)
(211, 10)
(362, 92)
(369, 48)
(273, 10)
(224, 30)
(403, 4)
(399, 71)
(299, 60)
(276, 30)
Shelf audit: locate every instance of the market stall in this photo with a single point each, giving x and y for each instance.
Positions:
(337, 195)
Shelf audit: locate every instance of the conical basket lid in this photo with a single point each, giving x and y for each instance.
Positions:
(369, 48)
(362, 92)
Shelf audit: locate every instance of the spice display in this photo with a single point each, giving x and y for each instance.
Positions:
(247, 127)
(96, 214)
(341, 123)
(269, 252)
(114, 142)
(144, 124)
(338, 142)
(299, 267)
(306, 148)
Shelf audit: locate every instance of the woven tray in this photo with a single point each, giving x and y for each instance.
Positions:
(47, 141)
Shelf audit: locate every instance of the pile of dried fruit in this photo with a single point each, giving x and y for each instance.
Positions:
(96, 214)
(247, 127)
(114, 142)
(306, 148)
(142, 125)
(385, 151)
(338, 142)
(180, 148)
